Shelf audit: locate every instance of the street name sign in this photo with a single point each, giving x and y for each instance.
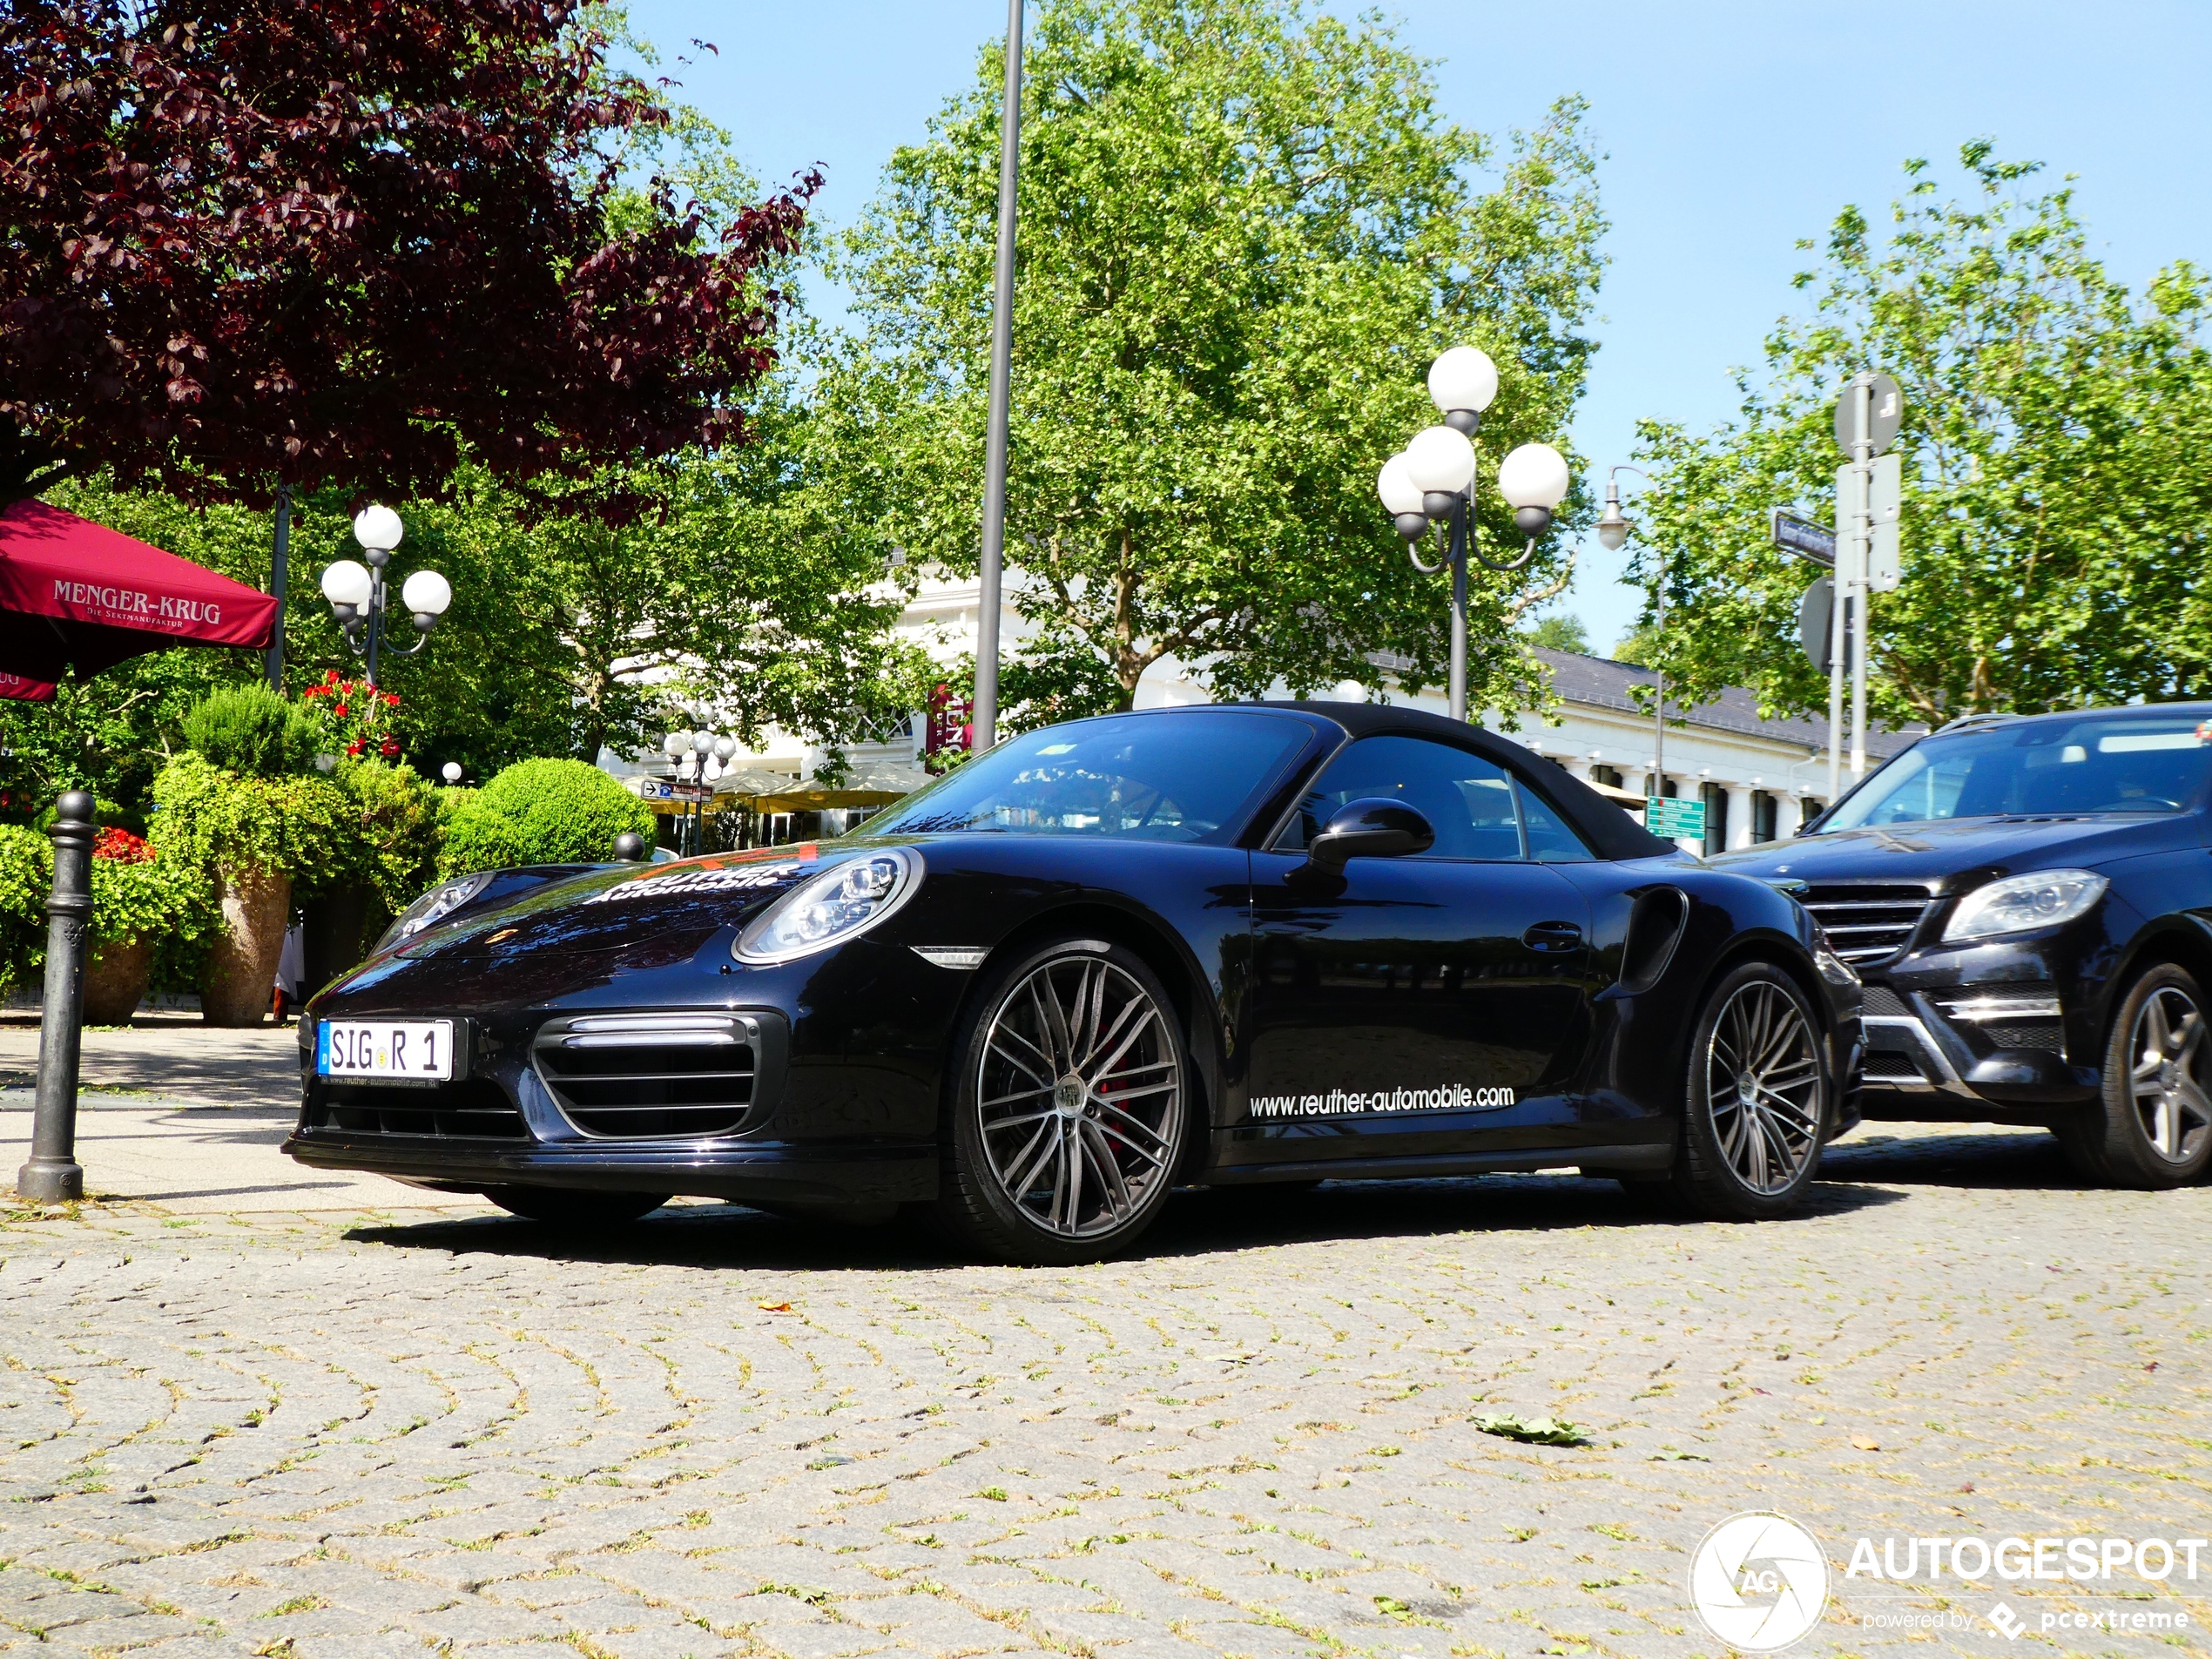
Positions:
(1802, 537)
(1673, 819)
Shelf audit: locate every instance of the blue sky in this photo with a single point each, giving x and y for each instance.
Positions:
(1731, 130)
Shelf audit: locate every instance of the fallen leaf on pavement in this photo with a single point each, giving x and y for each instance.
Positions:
(1866, 1442)
(775, 1307)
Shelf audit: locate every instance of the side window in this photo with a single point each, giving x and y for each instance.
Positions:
(1550, 841)
(1473, 805)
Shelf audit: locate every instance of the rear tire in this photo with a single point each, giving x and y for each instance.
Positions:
(579, 1207)
(1070, 1101)
(2153, 1130)
(1755, 1101)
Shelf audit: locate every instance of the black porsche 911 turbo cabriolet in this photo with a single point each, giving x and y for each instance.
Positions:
(1243, 943)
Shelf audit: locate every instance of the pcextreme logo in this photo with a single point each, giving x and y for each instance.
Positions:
(1759, 1582)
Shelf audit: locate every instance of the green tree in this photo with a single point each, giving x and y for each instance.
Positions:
(2053, 433)
(1245, 230)
(1560, 633)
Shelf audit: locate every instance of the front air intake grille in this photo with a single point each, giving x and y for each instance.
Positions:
(1866, 923)
(474, 1108)
(651, 1077)
(1881, 1000)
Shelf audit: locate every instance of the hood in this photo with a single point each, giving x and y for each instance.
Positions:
(675, 907)
(1951, 854)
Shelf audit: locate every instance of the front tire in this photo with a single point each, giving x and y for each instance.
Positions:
(577, 1207)
(2154, 1127)
(1070, 1107)
(1756, 1100)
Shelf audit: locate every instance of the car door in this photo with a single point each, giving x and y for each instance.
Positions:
(1417, 1005)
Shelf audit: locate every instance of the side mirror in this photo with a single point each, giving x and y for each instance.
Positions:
(1375, 827)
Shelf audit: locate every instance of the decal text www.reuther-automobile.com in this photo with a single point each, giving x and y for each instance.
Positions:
(1452, 1097)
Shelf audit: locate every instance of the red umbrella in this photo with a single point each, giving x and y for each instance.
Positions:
(22, 691)
(74, 593)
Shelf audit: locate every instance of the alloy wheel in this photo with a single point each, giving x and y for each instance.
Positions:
(1763, 1079)
(2170, 1099)
(1080, 1097)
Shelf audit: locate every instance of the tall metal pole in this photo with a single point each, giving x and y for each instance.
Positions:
(53, 1176)
(279, 558)
(1462, 532)
(985, 713)
(1862, 549)
(1658, 633)
(1838, 609)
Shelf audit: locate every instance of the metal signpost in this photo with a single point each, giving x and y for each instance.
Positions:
(1867, 423)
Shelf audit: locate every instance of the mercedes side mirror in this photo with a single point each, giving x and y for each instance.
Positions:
(1375, 827)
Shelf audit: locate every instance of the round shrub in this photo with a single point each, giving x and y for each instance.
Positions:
(478, 840)
(253, 731)
(563, 812)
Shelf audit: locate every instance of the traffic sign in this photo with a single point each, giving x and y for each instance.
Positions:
(1816, 620)
(1673, 819)
(1802, 537)
(1888, 409)
(1884, 557)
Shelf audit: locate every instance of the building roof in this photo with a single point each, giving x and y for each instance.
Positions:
(1599, 682)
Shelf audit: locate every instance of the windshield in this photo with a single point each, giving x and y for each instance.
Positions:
(1165, 777)
(2107, 762)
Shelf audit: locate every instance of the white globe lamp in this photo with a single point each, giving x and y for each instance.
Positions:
(347, 581)
(427, 594)
(1533, 479)
(378, 528)
(1441, 461)
(1462, 381)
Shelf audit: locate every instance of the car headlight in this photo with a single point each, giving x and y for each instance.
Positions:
(2020, 903)
(844, 900)
(435, 906)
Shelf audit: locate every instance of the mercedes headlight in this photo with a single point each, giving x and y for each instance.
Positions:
(2020, 903)
(435, 906)
(843, 901)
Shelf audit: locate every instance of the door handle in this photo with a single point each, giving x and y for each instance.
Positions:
(1552, 936)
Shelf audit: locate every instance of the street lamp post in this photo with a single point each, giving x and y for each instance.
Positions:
(1614, 529)
(700, 756)
(359, 595)
(1433, 481)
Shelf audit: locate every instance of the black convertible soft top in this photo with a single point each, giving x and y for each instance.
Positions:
(1610, 832)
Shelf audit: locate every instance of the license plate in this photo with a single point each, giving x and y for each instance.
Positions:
(385, 1050)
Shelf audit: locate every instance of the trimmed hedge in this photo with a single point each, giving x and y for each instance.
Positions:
(558, 812)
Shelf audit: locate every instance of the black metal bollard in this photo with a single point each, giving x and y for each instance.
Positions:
(53, 1176)
(630, 847)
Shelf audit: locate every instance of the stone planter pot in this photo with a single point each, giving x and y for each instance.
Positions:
(236, 987)
(115, 980)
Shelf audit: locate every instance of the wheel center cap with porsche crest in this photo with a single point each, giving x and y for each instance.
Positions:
(1067, 1096)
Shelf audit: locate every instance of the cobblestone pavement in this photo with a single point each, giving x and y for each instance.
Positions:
(719, 1433)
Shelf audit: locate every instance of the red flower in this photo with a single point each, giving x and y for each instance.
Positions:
(391, 699)
(340, 710)
(390, 748)
(121, 845)
(330, 677)
(355, 748)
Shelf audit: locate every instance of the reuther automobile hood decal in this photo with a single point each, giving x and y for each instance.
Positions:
(608, 910)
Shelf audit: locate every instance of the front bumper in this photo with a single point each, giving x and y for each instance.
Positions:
(698, 1103)
(1984, 1034)
(890, 1172)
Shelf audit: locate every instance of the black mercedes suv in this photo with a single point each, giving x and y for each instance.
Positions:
(2029, 901)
